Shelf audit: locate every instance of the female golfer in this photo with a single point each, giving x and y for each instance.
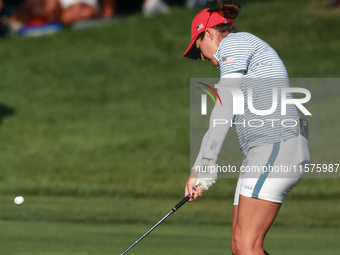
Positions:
(271, 142)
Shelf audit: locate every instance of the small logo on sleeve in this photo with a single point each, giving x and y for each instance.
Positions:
(213, 145)
(228, 60)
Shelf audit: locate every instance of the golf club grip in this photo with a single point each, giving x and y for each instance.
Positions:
(184, 200)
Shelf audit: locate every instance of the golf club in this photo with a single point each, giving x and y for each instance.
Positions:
(184, 200)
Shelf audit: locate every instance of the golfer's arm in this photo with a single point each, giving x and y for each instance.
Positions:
(197, 163)
(214, 138)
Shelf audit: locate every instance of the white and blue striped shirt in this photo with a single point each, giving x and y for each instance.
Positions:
(263, 70)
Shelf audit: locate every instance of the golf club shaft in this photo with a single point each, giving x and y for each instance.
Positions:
(183, 201)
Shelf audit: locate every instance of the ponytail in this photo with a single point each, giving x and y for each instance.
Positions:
(229, 9)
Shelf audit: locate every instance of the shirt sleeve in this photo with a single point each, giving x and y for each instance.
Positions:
(214, 138)
(234, 54)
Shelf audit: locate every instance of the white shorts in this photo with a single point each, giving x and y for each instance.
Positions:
(67, 3)
(281, 168)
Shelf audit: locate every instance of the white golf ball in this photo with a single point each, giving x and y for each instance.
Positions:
(19, 200)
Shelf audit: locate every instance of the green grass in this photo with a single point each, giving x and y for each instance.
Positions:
(70, 238)
(207, 211)
(105, 111)
(94, 129)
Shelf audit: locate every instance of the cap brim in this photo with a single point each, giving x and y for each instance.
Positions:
(191, 51)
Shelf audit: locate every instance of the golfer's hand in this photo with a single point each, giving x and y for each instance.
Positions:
(191, 188)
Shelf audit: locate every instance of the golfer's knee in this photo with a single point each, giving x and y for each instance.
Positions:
(243, 247)
(245, 244)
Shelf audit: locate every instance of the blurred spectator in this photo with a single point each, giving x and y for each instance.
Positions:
(30, 9)
(3, 20)
(154, 6)
(148, 7)
(18, 14)
(65, 11)
(77, 10)
(10, 6)
(335, 3)
(193, 3)
(108, 8)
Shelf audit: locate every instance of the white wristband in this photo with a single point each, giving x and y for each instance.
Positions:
(208, 174)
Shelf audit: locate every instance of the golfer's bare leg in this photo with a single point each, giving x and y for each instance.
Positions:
(233, 225)
(253, 220)
(232, 246)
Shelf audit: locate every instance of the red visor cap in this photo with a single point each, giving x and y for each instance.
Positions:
(207, 18)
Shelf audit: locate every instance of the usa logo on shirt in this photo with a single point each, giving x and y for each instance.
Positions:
(199, 27)
(228, 60)
(213, 145)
